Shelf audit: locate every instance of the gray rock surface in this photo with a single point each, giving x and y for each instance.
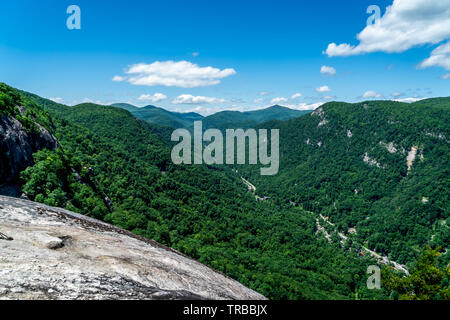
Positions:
(17, 147)
(51, 253)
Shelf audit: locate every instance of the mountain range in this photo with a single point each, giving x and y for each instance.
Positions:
(376, 171)
(359, 184)
(160, 116)
(220, 120)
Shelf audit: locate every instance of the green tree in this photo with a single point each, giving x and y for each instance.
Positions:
(426, 281)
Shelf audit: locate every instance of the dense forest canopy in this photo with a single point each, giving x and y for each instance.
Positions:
(117, 168)
(379, 170)
(235, 119)
(159, 116)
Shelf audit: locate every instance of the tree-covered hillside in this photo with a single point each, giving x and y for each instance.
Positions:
(379, 171)
(220, 120)
(374, 172)
(160, 116)
(114, 167)
(235, 119)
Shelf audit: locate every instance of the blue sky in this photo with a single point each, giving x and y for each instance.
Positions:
(216, 55)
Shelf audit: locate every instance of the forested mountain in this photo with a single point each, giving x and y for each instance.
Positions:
(236, 119)
(114, 167)
(347, 162)
(378, 171)
(126, 106)
(220, 120)
(155, 115)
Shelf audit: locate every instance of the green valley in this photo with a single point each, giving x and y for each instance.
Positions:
(337, 162)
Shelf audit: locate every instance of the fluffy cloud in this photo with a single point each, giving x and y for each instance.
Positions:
(190, 99)
(118, 78)
(409, 100)
(297, 106)
(371, 95)
(278, 100)
(296, 95)
(57, 100)
(323, 89)
(406, 24)
(87, 100)
(446, 76)
(153, 97)
(440, 57)
(305, 106)
(207, 110)
(182, 74)
(328, 70)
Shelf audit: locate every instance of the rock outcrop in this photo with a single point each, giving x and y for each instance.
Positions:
(17, 146)
(51, 253)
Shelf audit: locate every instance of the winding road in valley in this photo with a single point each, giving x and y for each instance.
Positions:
(381, 259)
(250, 186)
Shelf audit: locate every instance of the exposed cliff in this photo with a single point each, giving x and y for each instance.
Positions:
(17, 146)
(51, 253)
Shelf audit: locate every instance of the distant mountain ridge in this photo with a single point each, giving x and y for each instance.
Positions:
(220, 120)
(156, 115)
(236, 119)
(353, 178)
(113, 167)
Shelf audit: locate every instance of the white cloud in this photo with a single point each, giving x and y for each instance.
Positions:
(406, 24)
(297, 106)
(371, 95)
(305, 106)
(328, 70)
(182, 74)
(397, 94)
(264, 93)
(409, 100)
(278, 100)
(258, 100)
(323, 89)
(208, 110)
(446, 76)
(190, 99)
(57, 100)
(195, 54)
(153, 97)
(343, 49)
(296, 95)
(87, 100)
(118, 78)
(440, 57)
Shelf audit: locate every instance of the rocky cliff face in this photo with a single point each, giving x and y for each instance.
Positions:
(17, 147)
(51, 253)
